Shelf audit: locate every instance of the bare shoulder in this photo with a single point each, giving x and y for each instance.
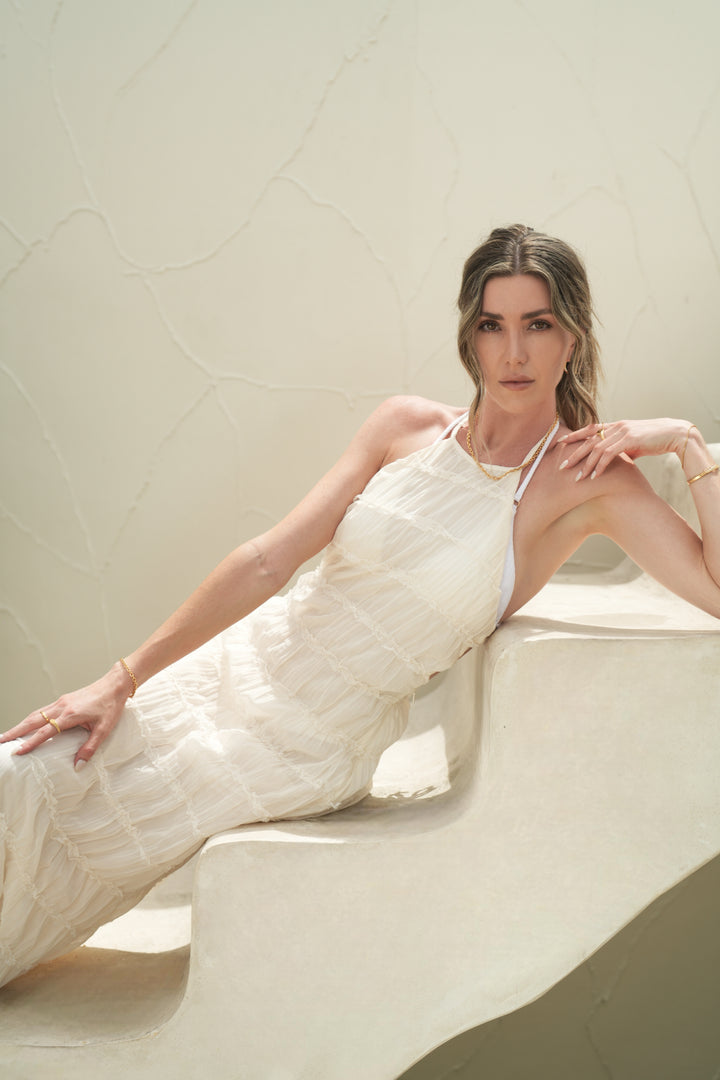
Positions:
(407, 422)
(410, 412)
(394, 429)
(622, 480)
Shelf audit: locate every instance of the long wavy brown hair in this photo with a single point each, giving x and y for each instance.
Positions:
(518, 249)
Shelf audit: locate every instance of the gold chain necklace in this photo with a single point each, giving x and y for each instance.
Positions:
(515, 468)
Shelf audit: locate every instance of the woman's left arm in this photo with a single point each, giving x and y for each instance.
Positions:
(635, 517)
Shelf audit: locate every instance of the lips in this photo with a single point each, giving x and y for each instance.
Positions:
(520, 381)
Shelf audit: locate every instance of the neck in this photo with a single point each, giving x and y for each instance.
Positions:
(505, 436)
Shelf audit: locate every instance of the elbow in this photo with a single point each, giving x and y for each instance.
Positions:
(710, 598)
(271, 571)
(707, 598)
(712, 604)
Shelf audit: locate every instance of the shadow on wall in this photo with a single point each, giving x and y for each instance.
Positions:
(644, 1007)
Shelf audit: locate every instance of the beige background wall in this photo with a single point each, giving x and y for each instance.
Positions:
(228, 230)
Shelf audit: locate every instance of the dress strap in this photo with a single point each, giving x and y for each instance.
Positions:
(452, 427)
(521, 488)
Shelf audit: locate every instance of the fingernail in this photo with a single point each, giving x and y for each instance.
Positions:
(80, 764)
(564, 464)
(579, 476)
(562, 438)
(593, 474)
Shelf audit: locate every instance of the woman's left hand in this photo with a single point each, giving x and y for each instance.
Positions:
(595, 446)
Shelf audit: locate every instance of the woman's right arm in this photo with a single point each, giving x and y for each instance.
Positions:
(241, 582)
(259, 568)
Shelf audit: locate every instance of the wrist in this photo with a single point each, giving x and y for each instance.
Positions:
(693, 454)
(131, 674)
(123, 683)
(682, 445)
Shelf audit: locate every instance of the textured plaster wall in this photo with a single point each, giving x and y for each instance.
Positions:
(229, 229)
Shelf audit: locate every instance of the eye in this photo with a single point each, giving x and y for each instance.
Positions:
(540, 324)
(488, 325)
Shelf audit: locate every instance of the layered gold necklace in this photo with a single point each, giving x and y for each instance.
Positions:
(515, 468)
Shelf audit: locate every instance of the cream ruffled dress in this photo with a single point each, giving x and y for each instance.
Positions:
(283, 715)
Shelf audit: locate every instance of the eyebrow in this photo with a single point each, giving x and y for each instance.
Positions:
(527, 315)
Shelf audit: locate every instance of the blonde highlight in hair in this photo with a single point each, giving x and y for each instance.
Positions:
(518, 249)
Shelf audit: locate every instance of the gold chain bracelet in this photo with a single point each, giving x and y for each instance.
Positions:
(134, 680)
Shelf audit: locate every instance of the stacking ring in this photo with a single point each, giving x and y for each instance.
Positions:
(53, 723)
(601, 431)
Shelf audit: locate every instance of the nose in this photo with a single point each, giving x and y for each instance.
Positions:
(517, 353)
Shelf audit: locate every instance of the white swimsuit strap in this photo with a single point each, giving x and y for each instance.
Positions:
(521, 489)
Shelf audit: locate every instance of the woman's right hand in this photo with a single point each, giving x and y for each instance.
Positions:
(96, 707)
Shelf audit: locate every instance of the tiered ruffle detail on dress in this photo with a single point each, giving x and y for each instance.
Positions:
(284, 715)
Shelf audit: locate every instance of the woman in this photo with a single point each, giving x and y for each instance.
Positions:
(436, 524)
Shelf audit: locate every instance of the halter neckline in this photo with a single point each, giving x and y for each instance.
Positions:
(450, 433)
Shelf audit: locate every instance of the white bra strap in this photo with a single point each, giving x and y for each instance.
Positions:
(521, 489)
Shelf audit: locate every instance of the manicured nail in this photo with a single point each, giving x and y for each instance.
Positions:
(593, 474)
(80, 764)
(579, 476)
(564, 464)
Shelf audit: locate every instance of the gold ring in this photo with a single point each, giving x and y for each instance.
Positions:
(601, 431)
(53, 723)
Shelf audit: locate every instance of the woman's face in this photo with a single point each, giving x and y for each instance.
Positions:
(521, 348)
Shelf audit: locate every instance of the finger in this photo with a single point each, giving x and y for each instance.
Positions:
(20, 729)
(88, 748)
(25, 727)
(577, 454)
(589, 437)
(592, 449)
(574, 436)
(587, 432)
(53, 721)
(606, 458)
(598, 460)
(585, 455)
(34, 720)
(36, 739)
